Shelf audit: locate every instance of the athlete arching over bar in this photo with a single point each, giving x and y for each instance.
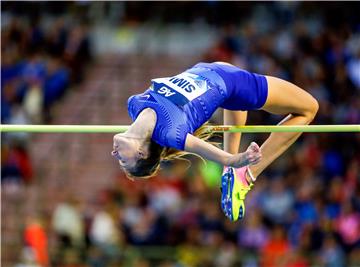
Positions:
(168, 119)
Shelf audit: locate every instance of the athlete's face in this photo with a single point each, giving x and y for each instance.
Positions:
(127, 150)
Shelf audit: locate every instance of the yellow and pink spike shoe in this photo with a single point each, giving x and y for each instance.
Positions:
(234, 188)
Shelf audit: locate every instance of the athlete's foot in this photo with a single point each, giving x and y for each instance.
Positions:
(250, 178)
(235, 185)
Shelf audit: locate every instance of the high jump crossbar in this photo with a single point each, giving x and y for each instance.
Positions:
(211, 128)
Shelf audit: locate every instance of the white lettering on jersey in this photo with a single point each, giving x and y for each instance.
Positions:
(166, 91)
(187, 84)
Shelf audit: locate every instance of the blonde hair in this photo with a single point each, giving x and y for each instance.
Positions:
(149, 167)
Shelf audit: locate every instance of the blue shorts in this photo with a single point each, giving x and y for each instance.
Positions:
(245, 90)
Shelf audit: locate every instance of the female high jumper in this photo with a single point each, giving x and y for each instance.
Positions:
(168, 121)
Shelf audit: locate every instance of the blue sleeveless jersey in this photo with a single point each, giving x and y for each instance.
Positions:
(186, 101)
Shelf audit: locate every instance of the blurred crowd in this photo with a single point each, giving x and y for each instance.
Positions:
(39, 62)
(303, 211)
(294, 218)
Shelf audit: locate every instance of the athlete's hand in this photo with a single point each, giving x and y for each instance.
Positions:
(251, 156)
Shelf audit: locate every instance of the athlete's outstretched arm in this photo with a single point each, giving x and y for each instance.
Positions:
(232, 140)
(198, 146)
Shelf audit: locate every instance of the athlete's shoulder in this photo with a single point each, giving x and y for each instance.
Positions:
(139, 97)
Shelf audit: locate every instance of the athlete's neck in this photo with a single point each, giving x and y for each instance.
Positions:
(144, 125)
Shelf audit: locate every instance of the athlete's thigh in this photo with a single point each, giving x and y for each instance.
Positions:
(285, 97)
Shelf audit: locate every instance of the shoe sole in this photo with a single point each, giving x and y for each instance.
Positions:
(227, 195)
(227, 183)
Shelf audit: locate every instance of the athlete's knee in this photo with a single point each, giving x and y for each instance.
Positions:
(312, 107)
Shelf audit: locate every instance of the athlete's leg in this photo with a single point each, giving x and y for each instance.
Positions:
(232, 117)
(232, 140)
(288, 99)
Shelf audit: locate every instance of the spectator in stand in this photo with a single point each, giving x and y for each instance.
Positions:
(68, 224)
(16, 163)
(331, 254)
(275, 250)
(348, 226)
(77, 51)
(104, 233)
(36, 238)
(32, 81)
(254, 235)
(277, 202)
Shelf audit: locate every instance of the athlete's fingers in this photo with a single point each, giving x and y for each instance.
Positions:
(246, 158)
(256, 161)
(251, 154)
(254, 147)
(249, 157)
(254, 157)
(256, 154)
